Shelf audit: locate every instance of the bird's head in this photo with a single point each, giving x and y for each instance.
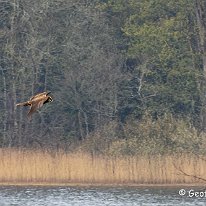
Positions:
(49, 99)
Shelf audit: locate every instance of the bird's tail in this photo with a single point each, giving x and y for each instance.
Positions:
(23, 104)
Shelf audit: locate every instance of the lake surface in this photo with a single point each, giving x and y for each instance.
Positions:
(99, 196)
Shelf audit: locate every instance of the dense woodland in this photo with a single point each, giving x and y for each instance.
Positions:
(126, 76)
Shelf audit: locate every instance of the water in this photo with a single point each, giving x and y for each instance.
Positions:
(97, 196)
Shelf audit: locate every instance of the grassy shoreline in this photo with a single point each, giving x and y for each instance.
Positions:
(32, 167)
(51, 184)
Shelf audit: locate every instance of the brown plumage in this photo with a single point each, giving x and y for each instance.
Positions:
(36, 102)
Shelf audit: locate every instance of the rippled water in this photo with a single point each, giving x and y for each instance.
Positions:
(95, 196)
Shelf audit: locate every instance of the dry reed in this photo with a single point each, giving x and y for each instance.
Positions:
(28, 166)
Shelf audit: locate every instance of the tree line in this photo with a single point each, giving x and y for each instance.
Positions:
(104, 61)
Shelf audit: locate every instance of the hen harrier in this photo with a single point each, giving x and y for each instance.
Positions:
(36, 102)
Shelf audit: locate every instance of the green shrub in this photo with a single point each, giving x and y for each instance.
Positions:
(165, 135)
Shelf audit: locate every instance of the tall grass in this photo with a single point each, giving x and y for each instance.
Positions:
(29, 166)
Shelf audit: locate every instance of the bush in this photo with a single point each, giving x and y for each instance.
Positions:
(166, 135)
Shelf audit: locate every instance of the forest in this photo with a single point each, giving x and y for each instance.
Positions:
(127, 77)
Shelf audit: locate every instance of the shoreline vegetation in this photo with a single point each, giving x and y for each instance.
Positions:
(128, 79)
(38, 167)
(164, 152)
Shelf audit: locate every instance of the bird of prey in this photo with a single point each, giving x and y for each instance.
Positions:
(36, 102)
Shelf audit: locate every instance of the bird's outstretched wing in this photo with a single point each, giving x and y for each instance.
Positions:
(35, 106)
(43, 94)
(24, 104)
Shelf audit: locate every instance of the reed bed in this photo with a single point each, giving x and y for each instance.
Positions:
(31, 167)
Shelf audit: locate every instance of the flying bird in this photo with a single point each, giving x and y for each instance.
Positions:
(36, 102)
